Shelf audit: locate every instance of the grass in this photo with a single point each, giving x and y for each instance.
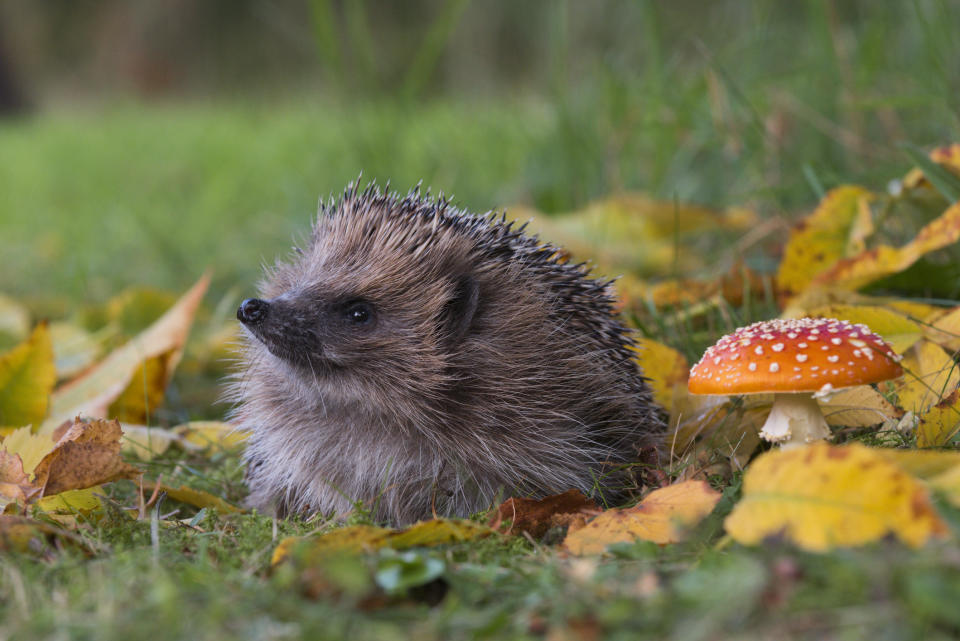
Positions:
(764, 104)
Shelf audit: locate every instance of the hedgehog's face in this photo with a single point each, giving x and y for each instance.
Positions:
(354, 330)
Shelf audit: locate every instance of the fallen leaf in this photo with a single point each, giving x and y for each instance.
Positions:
(214, 436)
(366, 538)
(87, 454)
(536, 516)
(923, 464)
(27, 377)
(74, 349)
(940, 423)
(92, 393)
(15, 486)
(28, 536)
(14, 321)
(148, 442)
(948, 483)
(72, 501)
(820, 239)
(860, 406)
(30, 447)
(945, 330)
(873, 264)
(191, 496)
(895, 328)
(664, 366)
(144, 393)
(662, 517)
(931, 375)
(820, 497)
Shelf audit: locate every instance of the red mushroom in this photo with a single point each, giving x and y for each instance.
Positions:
(793, 359)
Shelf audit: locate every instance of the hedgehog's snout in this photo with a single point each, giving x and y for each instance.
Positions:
(252, 311)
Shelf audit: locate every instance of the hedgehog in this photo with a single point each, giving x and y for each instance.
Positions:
(418, 360)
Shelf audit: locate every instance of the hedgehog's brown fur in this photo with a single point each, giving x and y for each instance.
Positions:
(488, 366)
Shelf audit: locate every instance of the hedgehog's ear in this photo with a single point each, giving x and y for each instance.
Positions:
(459, 311)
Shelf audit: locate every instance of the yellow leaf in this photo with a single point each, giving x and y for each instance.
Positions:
(663, 517)
(147, 442)
(26, 379)
(664, 366)
(213, 435)
(14, 321)
(945, 330)
(939, 424)
(74, 349)
(191, 496)
(144, 393)
(348, 540)
(949, 484)
(820, 497)
(924, 464)
(931, 375)
(893, 327)
(437, 532)
(366, 538)
(29, 446)
(820, 240)
(72, 501)
(859, 406)
(92, 393)
(871, 265)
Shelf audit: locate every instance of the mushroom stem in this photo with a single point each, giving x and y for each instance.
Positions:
(795, 419)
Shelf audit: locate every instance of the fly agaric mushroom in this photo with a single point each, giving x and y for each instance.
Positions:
(793, 359)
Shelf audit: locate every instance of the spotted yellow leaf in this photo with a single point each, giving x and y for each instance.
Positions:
(820, 497)
(820, 240)
(873, 264)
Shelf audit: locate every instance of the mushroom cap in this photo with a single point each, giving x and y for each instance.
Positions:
(794, 355)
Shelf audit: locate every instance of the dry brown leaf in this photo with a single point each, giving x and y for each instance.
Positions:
(663, 517)
(15, 486)
(535, 516)
(87, 454)
(92, 393)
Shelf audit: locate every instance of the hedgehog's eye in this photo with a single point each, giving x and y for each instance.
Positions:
(359, 313)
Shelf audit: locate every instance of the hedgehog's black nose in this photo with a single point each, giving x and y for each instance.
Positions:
(252, 310)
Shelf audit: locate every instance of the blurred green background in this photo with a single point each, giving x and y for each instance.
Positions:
(142, 141)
